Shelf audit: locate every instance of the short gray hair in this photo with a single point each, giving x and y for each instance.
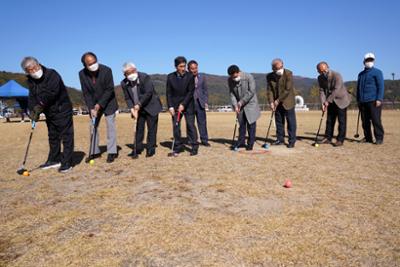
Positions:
(276, 60)
(28, 62)
(127, 66)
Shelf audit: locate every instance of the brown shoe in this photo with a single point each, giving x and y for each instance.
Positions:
(326, 141)
(338, 143)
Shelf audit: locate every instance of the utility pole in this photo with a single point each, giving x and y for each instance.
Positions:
(393, 75)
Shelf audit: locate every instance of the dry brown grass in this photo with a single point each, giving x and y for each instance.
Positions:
(217, 209)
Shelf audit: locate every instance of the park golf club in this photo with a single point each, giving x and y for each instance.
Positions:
(172, 153)
(234, 148)
(319, 129)
(134, 154)
(265, 145)
(358, 123)
(22, 169)
(92, 136)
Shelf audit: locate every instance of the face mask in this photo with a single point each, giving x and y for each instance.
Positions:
(94, 67)
(132, 77)
(369, 64)
(237, 79)
(279, 72)
(37, 75)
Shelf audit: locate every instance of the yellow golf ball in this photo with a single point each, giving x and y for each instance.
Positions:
(316, 145)
(26, 173)
(91, 162)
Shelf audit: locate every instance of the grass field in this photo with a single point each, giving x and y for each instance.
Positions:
(219, 208)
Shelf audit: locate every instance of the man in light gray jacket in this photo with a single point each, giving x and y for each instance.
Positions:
(335, 99)
(242, 88)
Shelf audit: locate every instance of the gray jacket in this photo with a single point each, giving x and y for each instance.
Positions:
(245, 92)
(333, 89)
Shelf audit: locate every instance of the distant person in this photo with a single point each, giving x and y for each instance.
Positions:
(98, 91)
(334, 99)
(200, 101)
(370, 91)
(280, 94)
(180, 90)
(242, 88)
(145, 105)
(48, 95)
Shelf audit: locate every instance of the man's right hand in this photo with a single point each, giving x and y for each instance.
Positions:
(37, 110)
(325, 106)
(171, 111)
(272, 106)
(134, 113)
(93, 113)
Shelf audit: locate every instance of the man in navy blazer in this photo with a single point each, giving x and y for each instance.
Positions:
(200, 96)
(145, 105)
(180, 90)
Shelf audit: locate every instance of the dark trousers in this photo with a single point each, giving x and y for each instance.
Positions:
(251, 130)
(201, 119)
(290, 115)
(191, 131)
(371, 113)
(152, 125)
(341, 114)
(61, 129)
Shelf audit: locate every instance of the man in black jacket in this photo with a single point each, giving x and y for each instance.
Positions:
(47, 94)
(144, 104)
(180, 89)
(98, 91)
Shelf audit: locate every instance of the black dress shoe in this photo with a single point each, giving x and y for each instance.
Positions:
(290, 145)
(195, 151)
(379, 142)
(150, 153)
(278, 143)
(111, 157)
(249, 147)
(205, 143)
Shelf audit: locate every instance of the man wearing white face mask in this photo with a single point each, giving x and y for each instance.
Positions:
(145, 105)
(280, 94)
(370, 91)
(98, 91)
(242, 88)
(48, 94)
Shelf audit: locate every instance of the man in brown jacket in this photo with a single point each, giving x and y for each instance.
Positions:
(334, 99)
(280, 94)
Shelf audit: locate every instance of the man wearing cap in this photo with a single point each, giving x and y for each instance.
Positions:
(98, 91)
(334, 99)
(280, 94)
(145, 105)
(242, 88)
(370, 91)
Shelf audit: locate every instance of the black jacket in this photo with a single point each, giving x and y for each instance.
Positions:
(98, 88)
(49, 91)
(148, 98)
(180, 91)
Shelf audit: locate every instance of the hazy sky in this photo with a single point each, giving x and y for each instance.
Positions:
(215, 33)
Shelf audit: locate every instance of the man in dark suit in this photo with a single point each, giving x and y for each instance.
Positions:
(280, 94)
(180, 90)
(98, 91)
(200, 101)
(335, 99)
(144, 104)
(47, 94)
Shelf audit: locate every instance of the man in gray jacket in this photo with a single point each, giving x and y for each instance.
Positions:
(334, 99)
(242, 88)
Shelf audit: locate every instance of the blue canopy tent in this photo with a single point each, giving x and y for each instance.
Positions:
(12, 89)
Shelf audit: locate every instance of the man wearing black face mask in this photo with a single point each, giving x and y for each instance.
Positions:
(335, 99)
(280, 94)
(145, 105)
(98, 91)
(48, 94)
